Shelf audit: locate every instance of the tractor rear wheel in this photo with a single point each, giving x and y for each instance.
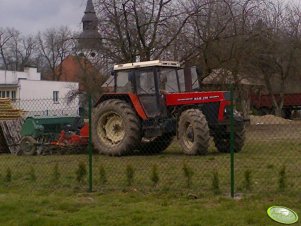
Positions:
(116, 128)
(222, 139)
(193, 132)
(155, 145)
(28, 145)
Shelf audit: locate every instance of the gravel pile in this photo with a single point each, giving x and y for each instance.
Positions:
(268, 120)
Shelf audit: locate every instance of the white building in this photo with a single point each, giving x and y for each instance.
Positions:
(35, 96)
(9, 81)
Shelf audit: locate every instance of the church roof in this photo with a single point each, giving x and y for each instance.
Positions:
(90, 15)
(90, 7)
(90, 30)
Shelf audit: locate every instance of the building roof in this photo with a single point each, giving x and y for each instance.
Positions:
(90, 7)
(222, 76)
(74, 69)
(9, 85)
(90, 21)
(147, 64)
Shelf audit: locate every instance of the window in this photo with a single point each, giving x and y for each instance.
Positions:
(13, 95)
(124, 83)
(8, 94)
(55, 96)
(145, 82)
(168, 80)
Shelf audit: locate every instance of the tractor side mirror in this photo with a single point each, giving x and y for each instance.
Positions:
(112, 73)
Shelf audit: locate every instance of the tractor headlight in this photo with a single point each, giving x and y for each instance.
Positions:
(227, 111)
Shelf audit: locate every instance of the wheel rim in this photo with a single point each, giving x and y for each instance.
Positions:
(188, 137)
(110, 128)
(27, 146)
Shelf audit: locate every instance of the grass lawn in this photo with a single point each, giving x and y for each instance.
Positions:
(43, 190)
(136, 209)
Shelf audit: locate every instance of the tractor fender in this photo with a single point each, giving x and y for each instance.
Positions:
(130, 98)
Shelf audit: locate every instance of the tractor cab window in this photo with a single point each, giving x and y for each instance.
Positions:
(145, 82)
(124, 82)
(169, 80)
(195, 81)
(181, 80)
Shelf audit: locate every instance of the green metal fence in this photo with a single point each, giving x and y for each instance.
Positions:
(269, 162)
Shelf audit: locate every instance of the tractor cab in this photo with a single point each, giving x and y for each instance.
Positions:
(149, 81)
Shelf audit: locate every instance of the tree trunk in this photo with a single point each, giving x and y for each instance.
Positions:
(244, 101)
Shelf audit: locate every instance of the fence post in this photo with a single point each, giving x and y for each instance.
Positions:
(90, 145)
(232, 141)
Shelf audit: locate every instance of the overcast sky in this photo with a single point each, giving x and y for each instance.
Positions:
(30, 16)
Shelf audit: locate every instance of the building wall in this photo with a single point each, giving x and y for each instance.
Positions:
(12, 77)
(30, 89)
(9, 81)
(38, 98)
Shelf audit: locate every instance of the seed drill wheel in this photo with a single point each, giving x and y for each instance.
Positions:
(156, 145)
(222, 139)
(116, 128)
(193, 132)
(28, 146)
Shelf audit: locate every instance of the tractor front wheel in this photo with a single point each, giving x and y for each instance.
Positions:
(193, 132)
(116, 128)
(28, 145)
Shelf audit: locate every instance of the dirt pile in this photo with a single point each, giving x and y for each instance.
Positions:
(268, 120)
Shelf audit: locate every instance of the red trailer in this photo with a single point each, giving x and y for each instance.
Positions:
(264, 103)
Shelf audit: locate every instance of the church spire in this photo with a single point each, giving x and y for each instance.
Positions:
(90, 35)
(90, 7)
(89, 19)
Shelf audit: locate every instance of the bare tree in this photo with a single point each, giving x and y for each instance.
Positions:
(16, 50)
(139, 30)
(53, 46)
(279, 55)
(208, 26)
(26, 52)
(235, 52)
(6, 36)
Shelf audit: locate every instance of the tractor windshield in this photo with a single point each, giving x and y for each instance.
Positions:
(145, 82)
(171, 80)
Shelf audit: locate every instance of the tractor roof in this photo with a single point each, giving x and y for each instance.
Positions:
(152, 63)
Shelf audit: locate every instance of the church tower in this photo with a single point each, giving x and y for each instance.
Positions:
(89, 39)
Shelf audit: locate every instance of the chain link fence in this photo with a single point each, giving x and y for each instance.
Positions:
(269, 161)
(55, 153)
(43, 145)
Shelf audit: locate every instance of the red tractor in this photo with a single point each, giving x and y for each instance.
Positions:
(150, 107)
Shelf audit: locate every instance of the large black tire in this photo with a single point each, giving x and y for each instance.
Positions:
(222, 139)
(116, 128)
(28, 146)
(193, 132)
(155, 145)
